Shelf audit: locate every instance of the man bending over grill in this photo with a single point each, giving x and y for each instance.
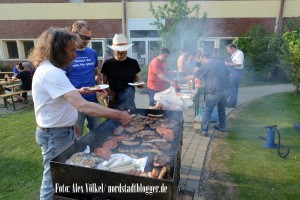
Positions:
(217, 87)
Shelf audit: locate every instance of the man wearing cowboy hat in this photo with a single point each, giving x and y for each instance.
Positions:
(118, 72)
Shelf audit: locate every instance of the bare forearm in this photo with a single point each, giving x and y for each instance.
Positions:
(96, 110)
(230, 64)
(98, 79)
(137, 77)
(164, 78)
(104, 79)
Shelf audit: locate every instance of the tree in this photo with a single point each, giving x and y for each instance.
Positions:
(182, 27)
(261, 51)
(291, 52)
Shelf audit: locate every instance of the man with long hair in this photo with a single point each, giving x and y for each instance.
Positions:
(57, 101)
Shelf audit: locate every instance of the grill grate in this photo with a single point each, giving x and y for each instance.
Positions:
(68, 174)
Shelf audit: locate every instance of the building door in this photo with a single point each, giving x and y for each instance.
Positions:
(208, 46)
(139, 52)
(153, 49)
(144, 50)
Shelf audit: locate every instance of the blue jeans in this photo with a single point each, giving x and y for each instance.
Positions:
(151, 94)
(218, 99)
(235, 83)
(52, 141)
(93, 122)
(122, 100)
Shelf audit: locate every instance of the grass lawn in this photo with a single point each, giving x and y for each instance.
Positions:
(21, 159)
(258, 172)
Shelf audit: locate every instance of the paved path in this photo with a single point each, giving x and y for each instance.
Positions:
(195, 146)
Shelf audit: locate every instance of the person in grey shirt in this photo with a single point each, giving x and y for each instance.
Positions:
(215, 75)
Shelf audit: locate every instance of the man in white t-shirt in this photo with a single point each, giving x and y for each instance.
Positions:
(236, 68)
(57, 101)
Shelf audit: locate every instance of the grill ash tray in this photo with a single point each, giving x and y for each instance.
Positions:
(82, 180)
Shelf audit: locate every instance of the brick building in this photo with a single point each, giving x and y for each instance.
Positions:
(21, 21)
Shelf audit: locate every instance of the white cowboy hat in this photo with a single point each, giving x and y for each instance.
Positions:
(120, 43)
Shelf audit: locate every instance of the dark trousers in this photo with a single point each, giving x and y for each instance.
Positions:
(123, 100)
(235, 83)
(151, 94)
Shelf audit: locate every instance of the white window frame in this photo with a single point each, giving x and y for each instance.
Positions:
(20, 48)
(5, 49)
(76, 1)
(103, 41)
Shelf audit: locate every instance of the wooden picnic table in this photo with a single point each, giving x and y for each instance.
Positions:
(8, 84)
(6, 72)
(6, 96)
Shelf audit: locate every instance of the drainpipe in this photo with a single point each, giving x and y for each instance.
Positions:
(279, 23)
(124, 18)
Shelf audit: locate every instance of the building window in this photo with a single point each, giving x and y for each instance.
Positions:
(76, 1)
(12, 49)
(144, 34)
(28, 46)
(223, 44)
(98, 47)
(16, 49)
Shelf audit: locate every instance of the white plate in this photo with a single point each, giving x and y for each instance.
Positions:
(99, 87)
(137, 83)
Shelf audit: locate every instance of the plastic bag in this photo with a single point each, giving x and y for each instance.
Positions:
(168, 99)
(214, 115)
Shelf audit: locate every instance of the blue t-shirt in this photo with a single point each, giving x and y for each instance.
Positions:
(82, 71)
(16, 71)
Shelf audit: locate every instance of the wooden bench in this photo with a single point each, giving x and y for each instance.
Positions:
(10, 95)
(11, 86)
(6, 72)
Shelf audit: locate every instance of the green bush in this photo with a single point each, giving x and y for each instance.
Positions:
(261, 53)
(144, 73)
(4, 67)
(291, 52)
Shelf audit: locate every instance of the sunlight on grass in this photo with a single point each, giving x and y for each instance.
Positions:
(259, 172)
(21, 159)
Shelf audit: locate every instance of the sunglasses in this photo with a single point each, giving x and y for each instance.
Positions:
(84, 37)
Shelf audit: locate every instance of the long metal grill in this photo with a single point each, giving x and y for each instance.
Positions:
(70, 175)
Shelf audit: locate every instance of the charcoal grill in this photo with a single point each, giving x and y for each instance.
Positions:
(70, 175)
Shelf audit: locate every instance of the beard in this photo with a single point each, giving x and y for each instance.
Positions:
(120, 55)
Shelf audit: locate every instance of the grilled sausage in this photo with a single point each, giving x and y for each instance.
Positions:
(162, 173)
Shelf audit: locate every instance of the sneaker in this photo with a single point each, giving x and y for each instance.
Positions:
(204, 133)
(25, 101)
(219, 129)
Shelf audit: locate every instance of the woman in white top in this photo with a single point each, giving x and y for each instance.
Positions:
(56, 100)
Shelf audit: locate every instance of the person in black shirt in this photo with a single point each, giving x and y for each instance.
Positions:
(118, 72)
(26, 80)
